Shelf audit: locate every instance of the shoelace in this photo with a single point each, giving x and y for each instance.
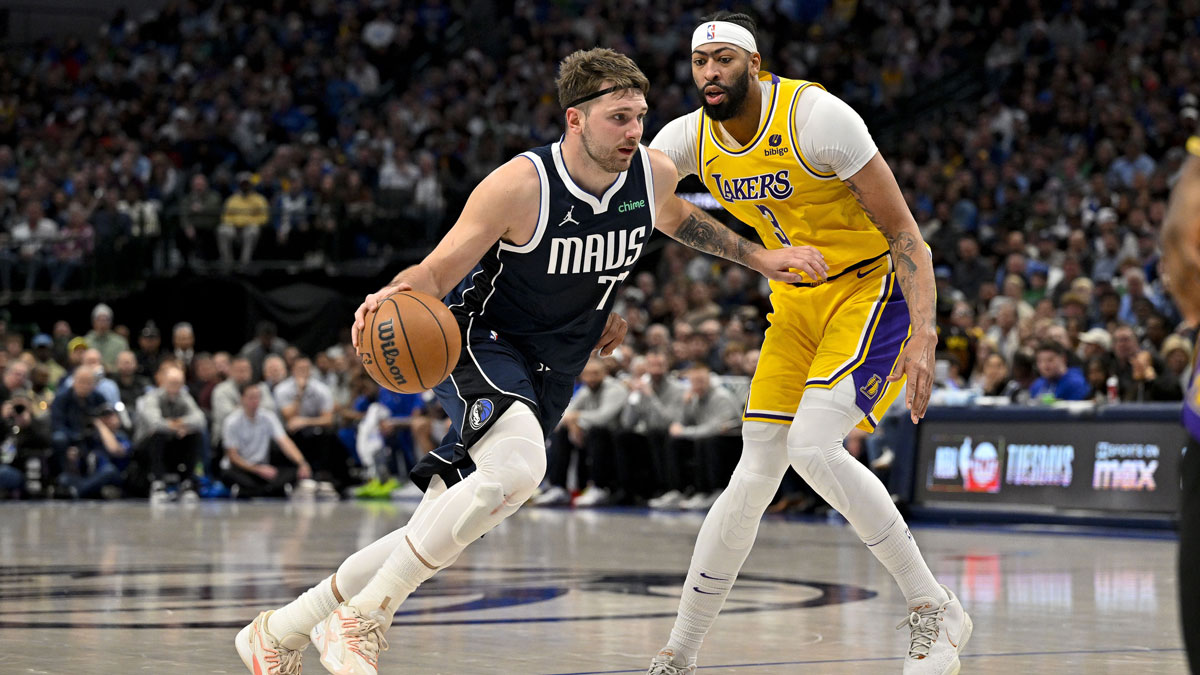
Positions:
(368, 638)
(288, 661)
(923, 631)
(668, 668)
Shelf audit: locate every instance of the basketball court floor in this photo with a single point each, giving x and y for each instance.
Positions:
(126, 588)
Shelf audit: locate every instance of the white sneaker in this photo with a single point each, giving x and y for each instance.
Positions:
(555, 496)
(264, 655)
(937, 636)
(708, 500)
(669, 500)
(592, 496)
(325, 490)
(158, 493)
(349, 642)
(665, 663)
(305, 488)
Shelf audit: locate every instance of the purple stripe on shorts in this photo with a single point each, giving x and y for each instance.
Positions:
(870, 377)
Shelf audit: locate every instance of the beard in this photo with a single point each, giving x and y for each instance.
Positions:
(609, 160)
(735, 97)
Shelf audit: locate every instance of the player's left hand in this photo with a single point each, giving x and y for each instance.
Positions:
(613, 336)
(777, 264)
(916, 362)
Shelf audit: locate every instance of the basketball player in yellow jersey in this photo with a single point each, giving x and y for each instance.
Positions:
(799, 165)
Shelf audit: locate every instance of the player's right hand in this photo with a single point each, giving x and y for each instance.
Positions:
(778, 264)
(370, 304)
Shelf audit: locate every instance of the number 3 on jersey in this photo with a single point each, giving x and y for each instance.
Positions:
(775, 223)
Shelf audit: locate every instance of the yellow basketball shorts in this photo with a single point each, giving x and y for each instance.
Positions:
(854, 326)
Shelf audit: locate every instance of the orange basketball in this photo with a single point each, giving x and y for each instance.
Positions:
(410, 342)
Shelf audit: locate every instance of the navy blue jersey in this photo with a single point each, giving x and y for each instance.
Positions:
(550, 297)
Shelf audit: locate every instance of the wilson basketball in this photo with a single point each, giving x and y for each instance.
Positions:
(410, 342)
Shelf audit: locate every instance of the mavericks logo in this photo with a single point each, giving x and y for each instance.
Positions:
(480, 413)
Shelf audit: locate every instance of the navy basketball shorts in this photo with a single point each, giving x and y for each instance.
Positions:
(492, 374)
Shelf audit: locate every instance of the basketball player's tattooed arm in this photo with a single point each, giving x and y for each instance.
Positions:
(1181, 242)
(875, 188)
(690, 225)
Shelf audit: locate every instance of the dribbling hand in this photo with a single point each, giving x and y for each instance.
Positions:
(916, 363)
(370, 304)
(777, 264)
(613, 336)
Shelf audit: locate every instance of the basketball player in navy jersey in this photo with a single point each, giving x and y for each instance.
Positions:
(1181, 274)
(530, 272)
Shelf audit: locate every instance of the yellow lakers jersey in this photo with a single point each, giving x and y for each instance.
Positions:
(771, 186)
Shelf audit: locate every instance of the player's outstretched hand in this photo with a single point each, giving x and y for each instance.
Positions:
(778, 264)
(916, 362)
(370, 305)
(613, 336)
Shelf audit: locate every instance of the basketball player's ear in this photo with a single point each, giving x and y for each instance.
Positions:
(755, 65)
(575, 118)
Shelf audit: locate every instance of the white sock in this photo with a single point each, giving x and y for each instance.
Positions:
(704, 594)
(306, 611)
(895, 547)
(396, 579)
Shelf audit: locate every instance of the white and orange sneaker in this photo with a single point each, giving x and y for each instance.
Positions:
(264, 655)
(937, 635)
(349, 642)
(667, 662)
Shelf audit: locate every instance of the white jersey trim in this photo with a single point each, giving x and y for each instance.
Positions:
(543, 209)
(598, 205)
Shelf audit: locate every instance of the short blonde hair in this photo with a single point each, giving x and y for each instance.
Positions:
(586, 72)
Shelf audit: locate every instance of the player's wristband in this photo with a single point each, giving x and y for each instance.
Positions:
(1193, 145)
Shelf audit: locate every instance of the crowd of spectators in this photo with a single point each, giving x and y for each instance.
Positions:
(1034, 142)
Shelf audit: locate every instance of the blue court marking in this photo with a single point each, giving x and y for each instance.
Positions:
(774, 664)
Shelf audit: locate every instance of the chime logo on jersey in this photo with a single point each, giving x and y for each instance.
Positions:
(775, 185)
(595, 252)
(480, 412)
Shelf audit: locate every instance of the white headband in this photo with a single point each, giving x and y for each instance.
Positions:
(723, 31)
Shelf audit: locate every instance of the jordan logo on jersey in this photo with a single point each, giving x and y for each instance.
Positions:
(567, 218)
(753, 188)
(595, 252)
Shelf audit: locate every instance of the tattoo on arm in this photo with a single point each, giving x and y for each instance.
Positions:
(858, 197)
(704, 233)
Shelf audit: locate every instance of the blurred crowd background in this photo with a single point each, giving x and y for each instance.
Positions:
(1035, 143)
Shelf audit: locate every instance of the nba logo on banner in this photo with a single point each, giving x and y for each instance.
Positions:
(480, 412)
(712, 31)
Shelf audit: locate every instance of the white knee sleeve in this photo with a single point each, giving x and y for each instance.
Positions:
(815, 448)
(510, 461)
(752, 485)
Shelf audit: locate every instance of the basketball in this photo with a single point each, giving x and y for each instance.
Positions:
(410, 343)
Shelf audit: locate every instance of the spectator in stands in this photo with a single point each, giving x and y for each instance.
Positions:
(394, 426)
(306, 406)
(1056, 379)
(585, 430)
(150, 353)
(170, 434)
(265, 343)
(102, 337)
(32, 239)
(705, 438)
(204, 380)
(71, 414)
(227, 396)
(199, 217)
(43, 354)
(1149, 385)
(655, 401)
(15, 380)
(131, 384)
(274, 371)
(994, 380)
(76, 242)
(25, 438)
(263, 461)
(90, 358)
(94, 468)
(1177, 354)
(244, 215)
(183, 346)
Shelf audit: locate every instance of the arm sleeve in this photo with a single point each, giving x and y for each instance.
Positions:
(832, 136)
(678, 141)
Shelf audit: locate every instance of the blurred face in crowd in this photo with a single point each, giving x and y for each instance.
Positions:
(172, 381)
(711, 330)
(221, 363)
(274, 370)
(93, 360)
(183, 338)
(1124, 343)
(290, 354)
(101, 323)
(995, 371)
(149, 343)
(199, 183)
(1110, 304)
(206, 371)
(657, 336)
(323, 363)
(1050, 364)
(241, 372)
(16, 375)
(126, 364)
(1097, 374)
(750, 360)
(656, 365)
(592, 375)
(968, 249)
(1176, 360)
(251, 398)
(302, 369)
(1059, 335)
(962, 316)
(84, 382)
